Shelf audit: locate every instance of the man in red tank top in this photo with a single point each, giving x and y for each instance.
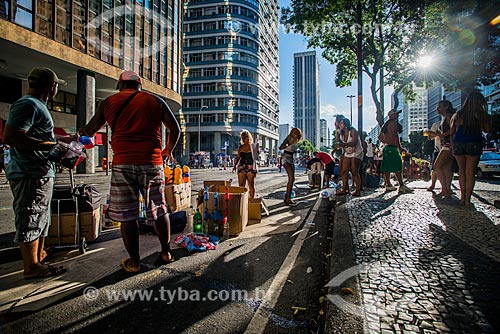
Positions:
(135, 118)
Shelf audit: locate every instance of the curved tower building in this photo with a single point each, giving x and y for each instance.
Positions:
(231, 75)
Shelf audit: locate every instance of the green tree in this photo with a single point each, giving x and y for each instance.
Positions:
(305, 146)
(394, 34)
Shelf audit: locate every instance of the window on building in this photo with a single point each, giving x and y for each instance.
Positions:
(43, 23)
(79, 23)
(23, 13)
(211, 10)
(209, 72)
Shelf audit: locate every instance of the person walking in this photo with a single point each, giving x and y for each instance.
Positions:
(30, 133)
(444, 161)
(353, 154)
(391, 157)
(289, 147)
(466, 130)
(135, 118)
(246, 163)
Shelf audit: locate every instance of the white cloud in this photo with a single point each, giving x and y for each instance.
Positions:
(328, 110)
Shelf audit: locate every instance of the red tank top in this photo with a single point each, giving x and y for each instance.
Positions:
(136, 138)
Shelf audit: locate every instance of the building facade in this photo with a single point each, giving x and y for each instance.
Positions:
(88, 44)
(492, 95)
(231, 75)
(306, 103)
(323, 133)
(415, 113)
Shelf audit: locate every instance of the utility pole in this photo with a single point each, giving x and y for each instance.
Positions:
(359, 54)
(350, 98)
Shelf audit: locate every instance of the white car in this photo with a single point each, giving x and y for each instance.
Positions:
(489, 164)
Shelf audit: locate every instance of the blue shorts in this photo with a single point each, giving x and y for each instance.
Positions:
(126, 183)
(31, 207)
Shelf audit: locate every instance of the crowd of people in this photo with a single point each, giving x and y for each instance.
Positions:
(458, 145)
(136, 117)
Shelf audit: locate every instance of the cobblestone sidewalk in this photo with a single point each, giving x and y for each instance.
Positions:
(430, 266)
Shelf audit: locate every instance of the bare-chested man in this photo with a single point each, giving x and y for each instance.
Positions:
(391, 157)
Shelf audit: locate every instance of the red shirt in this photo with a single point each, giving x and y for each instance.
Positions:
(324, 157)
(137, 136)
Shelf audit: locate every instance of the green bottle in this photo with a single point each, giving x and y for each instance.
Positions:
(197, 222)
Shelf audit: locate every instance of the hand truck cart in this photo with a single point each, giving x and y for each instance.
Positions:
(79, 239)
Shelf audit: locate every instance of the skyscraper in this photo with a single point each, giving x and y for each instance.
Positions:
(231, 75)
(323, 132)
(306, 95)
(415, 113)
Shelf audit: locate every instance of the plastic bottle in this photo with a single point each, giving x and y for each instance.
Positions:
(142, 207)
(177, 175)
(186, 174)
(197, 222)
(292, 194)
(168, 175)
(87, 142)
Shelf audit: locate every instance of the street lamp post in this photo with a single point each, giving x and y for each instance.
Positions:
(350, 98)
(199, 128)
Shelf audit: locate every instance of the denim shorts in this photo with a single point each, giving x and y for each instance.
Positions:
(31, 207)
(467, 148)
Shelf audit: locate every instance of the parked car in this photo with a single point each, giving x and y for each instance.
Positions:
(489, 164)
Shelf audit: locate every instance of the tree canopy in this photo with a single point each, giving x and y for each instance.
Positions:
(396, 33)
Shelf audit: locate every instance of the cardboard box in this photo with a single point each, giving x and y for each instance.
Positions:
(214, 184)
(255, 209)
(237, 207)
(178, 196)
(66, 233)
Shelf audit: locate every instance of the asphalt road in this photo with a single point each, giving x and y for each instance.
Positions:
(222, 291)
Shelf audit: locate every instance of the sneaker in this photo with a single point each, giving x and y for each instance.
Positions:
(405, 190)
(391, 188)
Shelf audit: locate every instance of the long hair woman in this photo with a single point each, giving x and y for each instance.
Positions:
(353, 154)
(444, 161)
(245, 163)
(289, 147)
(467, 126)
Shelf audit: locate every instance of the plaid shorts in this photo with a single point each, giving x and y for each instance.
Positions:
(31, 207)
(126, 183)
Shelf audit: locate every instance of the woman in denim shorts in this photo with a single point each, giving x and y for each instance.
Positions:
(467, 126)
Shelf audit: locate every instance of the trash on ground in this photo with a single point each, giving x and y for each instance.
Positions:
(309, 270)
(296, 309)
(197, 242)
(347, 291)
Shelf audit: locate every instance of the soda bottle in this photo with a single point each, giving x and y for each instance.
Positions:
(177, 175)
(168, 175)
(197, 222)
(185, 174)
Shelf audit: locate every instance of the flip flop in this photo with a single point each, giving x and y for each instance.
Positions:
(161, 261)
(124, 264)
(50, 271)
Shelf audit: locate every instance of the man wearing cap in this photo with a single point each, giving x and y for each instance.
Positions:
(391, 157)
(135, 118)
(30, 133)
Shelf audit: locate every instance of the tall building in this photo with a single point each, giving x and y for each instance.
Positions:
(284, 130)
(323, 133)
(492, 95)
(88, 44)
(306, 95)
(415, 113)
(437, 93)
(231, 75)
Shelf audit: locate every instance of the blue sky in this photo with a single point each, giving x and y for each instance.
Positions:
(333, 100)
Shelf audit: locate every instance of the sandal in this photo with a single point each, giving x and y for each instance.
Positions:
(50, 271)
(124, 264)
(342, 192)
(290, 203)
(161, 261)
